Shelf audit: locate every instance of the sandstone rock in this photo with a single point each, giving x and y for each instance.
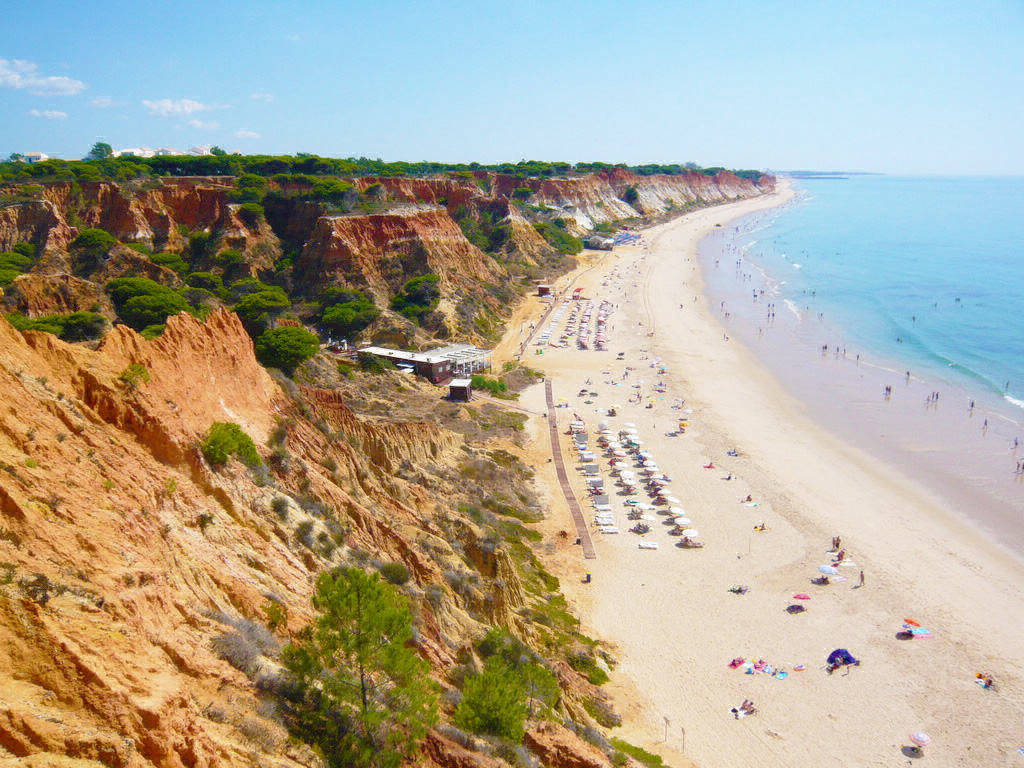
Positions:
(561, 748)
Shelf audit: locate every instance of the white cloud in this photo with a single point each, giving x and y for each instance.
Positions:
(49, 114)
(243, 134)
(174, 107)
(18, 73)
(267, 97)
(102, 103)
(203, 126)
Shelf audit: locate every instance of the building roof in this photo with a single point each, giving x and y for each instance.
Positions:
(398, 354)
(460, 383)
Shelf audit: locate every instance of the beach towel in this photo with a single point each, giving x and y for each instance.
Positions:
(780, 675)
(648, 545)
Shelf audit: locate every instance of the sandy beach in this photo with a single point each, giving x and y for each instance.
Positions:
(668, 612)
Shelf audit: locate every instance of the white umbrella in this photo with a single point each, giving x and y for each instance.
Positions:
(682, 521)
(677, 511)
(629, 424)
(828, 570)
(693, 532)
(672, 500)
(921, 738)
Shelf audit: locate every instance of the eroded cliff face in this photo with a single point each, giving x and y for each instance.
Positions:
(124, 556)
(380, 252)
(591, 200)
(416, 228)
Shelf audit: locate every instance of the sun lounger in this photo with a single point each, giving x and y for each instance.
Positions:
(648, 545)
(608, 529)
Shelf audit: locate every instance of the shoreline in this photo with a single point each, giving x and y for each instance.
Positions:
(668, 612)
(941, 447)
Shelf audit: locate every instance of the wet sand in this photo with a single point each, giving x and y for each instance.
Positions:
(669, 613)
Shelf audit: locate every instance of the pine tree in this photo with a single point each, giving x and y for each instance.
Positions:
(494, 701)
(366, 699)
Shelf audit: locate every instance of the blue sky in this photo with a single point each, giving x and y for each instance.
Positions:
(904, 87)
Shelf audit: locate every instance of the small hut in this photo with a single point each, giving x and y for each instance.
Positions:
(460, 390)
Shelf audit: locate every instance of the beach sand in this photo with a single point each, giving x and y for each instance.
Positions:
(668, 614)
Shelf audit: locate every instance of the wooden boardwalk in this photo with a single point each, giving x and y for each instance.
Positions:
(563, 478)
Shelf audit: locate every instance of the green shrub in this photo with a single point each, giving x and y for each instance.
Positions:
(77, 326)
(142, 302)
(286, 347)
(133, 375)
(257, 303)
(251, 213)
(496, 387)
(229, 258)
(349, 313)
(555, 234)
(374, 364)
(13, 264)
(152, 331)
(494, 702)
(522, 193)
(171, 261)
(89, 248)
(630, 195)
(418, 297)
(394, 573)
(226, 439)
(205, 280)
(637, 753)
(83, 326)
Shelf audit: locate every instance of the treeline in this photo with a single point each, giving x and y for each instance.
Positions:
(125, 168)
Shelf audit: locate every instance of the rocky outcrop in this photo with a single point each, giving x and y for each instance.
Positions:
(35, 295)
(37, 222)
(380, 252)
(558, 746)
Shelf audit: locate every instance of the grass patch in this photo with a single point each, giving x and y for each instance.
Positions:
(638, 753)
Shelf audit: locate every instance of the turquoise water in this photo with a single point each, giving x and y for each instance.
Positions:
(927, 271)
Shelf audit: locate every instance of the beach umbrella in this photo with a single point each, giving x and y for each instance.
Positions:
(629, 424)
(828, 570)
(691, 532)
(921, 738)
(912, 622)
(682, 521)
(672, 500)
(677, 510)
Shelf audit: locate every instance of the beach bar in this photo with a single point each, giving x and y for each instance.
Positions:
(429, 365)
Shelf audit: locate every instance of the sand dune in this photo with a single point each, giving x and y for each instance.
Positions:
(669, 611)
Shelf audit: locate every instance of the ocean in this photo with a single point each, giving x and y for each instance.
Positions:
(860, 280)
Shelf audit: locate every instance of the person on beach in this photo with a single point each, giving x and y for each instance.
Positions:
(862, 577)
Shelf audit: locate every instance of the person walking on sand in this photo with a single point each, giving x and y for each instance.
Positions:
(862, 577)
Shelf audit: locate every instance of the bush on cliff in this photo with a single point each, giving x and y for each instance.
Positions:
(257, 309)
(12, 264)
(77, 326)
(347, 312)
(366, 699)
(172, 261)
(207, 281)
(226, 439)
(494, 702)
(418, 297)
(285, 348)
(141, 302)
(89, 248)
(558, 238)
